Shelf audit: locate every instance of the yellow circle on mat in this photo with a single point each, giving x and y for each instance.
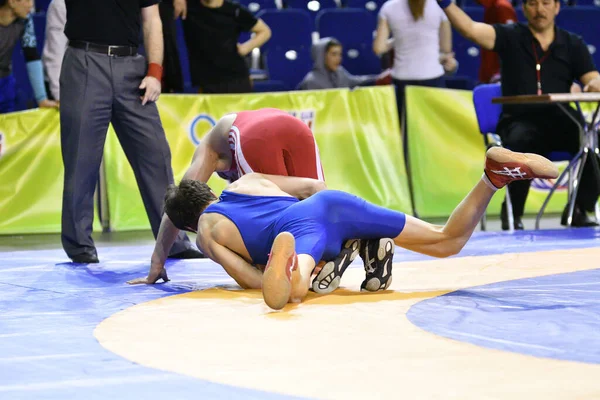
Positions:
(349, 344)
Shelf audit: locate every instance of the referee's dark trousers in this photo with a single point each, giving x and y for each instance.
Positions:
(98, 89)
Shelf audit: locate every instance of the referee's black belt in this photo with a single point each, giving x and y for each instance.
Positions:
(117, 51)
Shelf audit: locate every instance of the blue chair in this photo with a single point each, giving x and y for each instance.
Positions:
(288, 65)
(313, 7)
(291, 29)
(255, 6)
(583, 21)
(488, 115)
(287, 54)
(371, 6)
(468, 54)
(359, 58)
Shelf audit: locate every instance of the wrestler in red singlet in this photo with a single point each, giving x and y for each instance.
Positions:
(271, 141)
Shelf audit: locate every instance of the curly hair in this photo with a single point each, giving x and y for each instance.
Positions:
(185, 203)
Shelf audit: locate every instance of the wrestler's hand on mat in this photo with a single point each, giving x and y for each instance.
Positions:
(48, 104)
(151, 87)
(154, 275)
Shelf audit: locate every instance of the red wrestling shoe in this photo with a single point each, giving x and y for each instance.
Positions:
(503, 166)
(277, 278)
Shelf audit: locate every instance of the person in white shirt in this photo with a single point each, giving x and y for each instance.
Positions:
(421, 38)
(54, 45)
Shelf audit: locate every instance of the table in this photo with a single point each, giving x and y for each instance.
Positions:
(588, 140)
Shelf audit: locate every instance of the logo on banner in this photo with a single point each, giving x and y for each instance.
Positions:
(1, 143)
(306, 116)
(200, 127)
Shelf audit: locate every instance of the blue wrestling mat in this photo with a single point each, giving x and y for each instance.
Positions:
(50, 309)
(556, 316)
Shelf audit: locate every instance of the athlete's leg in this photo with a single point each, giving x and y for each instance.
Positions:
(502, 166)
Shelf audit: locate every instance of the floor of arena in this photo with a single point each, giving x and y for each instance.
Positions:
(514, 316)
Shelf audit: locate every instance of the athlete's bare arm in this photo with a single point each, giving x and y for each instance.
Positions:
(212, 239)
(212, 154)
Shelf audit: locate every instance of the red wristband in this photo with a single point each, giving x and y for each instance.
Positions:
(155, 71)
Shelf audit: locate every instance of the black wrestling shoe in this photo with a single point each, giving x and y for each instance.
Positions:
(328, 279)
(377, 256)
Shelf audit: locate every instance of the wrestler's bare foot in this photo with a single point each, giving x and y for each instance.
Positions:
(277, 278)
(503, 166)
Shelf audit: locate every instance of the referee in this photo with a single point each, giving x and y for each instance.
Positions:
(104, 80)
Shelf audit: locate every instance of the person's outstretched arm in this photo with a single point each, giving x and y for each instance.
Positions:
(210, 156)
(478, 32)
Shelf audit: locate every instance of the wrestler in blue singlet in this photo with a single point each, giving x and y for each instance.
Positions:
(320, 224)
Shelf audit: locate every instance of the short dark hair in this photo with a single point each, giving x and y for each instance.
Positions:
(333, 42)
(3, 3)
(185, 203)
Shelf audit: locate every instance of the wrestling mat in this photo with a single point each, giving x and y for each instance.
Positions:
(514, 316)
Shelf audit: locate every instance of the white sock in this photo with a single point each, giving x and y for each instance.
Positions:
(489, 183)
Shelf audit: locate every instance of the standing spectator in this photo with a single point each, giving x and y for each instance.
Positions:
(212, 29)
(495, 12)
(54, 45)
(328, 72)
(421, 40)
(15, 23)
(103, 80)
(536, 58)
(172, 81)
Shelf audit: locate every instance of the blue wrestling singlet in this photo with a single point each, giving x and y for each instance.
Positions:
(320, 224)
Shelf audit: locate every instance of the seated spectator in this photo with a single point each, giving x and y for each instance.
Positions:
(54, 46)
(212, 29)
(495, 12)
(538, 58)
(328, 72)
(15, 23)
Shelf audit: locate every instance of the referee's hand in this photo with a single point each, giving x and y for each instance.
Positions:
(151, 87)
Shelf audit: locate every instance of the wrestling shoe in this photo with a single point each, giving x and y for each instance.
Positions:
(277, 278)
(328, 279)
(377, 256)
(503, 166)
